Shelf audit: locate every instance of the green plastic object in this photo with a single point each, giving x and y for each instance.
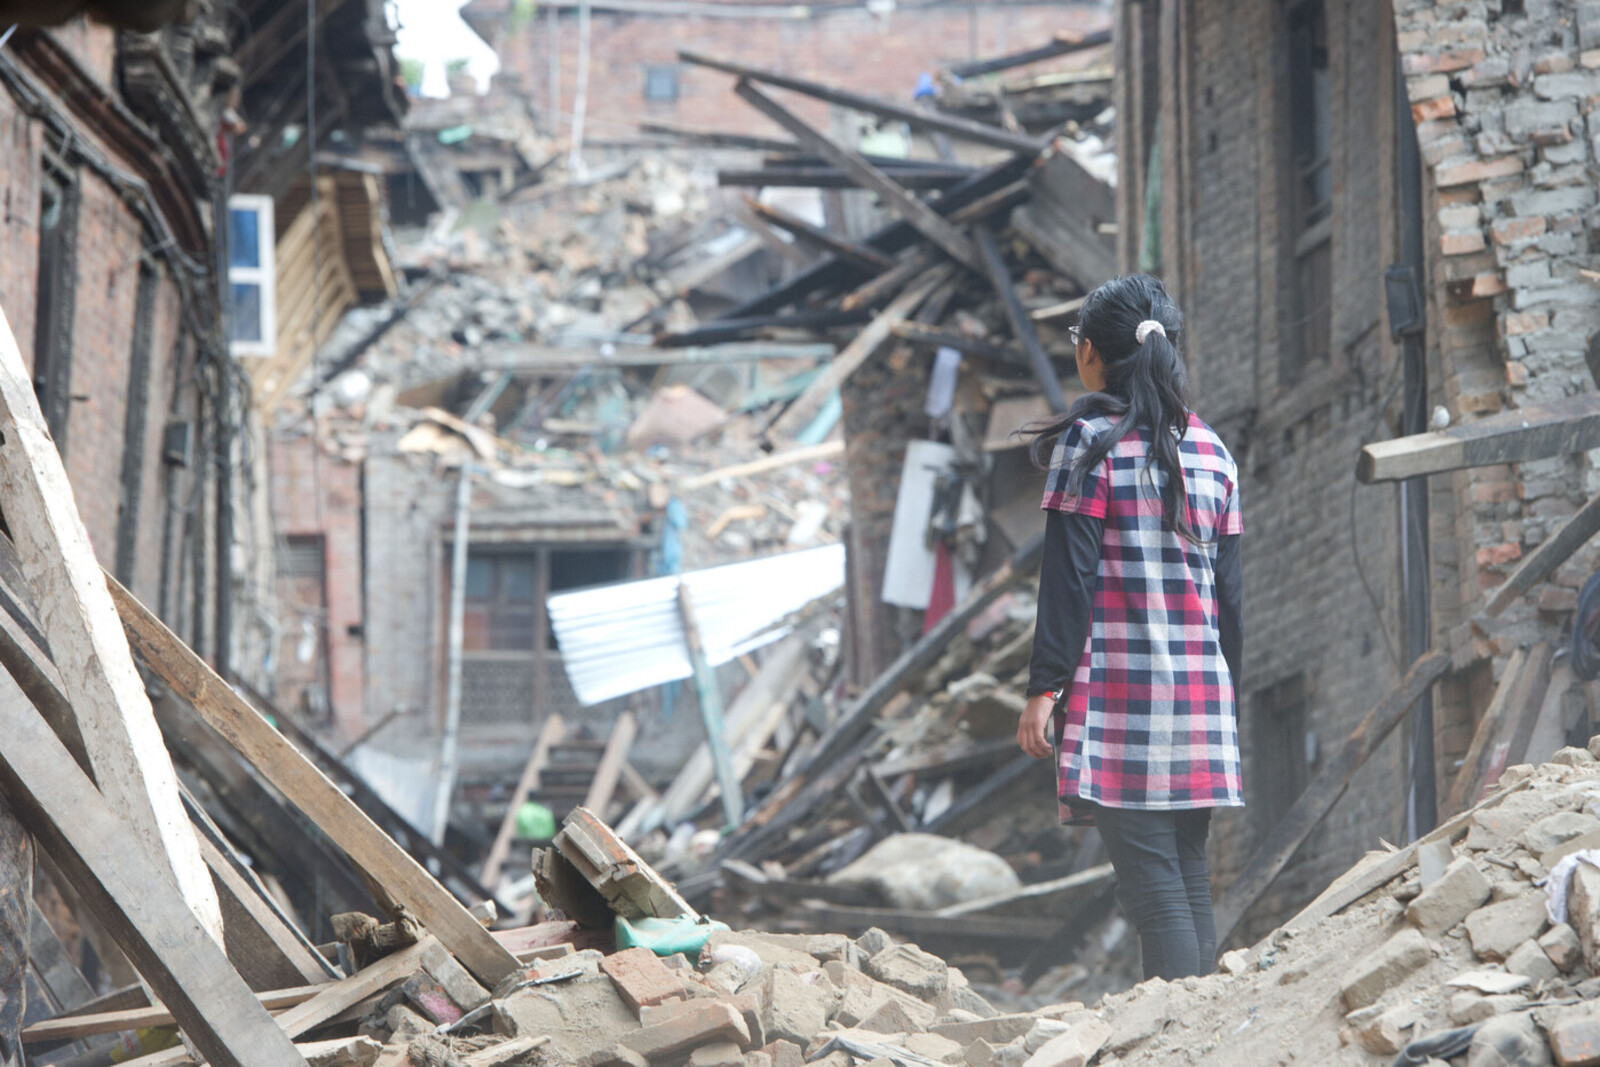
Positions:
(667, 937)
(536, 821)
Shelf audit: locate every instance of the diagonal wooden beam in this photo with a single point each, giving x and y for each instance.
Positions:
(1536, 431)
(994, 265)
(130, 763)
(965, 129)
(847, 250)
(335, 814)
(1552, 552)
(120, 882)
(927, 221)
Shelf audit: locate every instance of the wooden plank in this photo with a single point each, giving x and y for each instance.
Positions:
(1055, 897)
(72, 1027)
(1537, 431)
(994, 266)
(977, 347)
(916, 118)
(1064, 44)
(1475, 765)
(1522, 712)
(894, 196)
(1313, 805)
(346, 825)
(604, 785)
(861, 348)
(855, 254)
(258, 942)
(946, 758)
(121, 883)
(705, 685)
(553, 730)
(130, 764)
(876, 290)
(1063, 222)
(1550, 554)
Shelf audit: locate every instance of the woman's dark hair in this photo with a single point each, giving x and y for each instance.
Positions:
(1145, 386)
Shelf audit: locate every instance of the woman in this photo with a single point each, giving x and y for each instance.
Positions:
(1138, 639)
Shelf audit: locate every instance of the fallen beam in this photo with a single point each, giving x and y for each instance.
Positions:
(1325, 789)
(916, 118)
(1537, 431)
(121, 884)
(1064, 44)
(835, 178)
(847, 250)
(72, 1027)
(808, 454)
(890, 192)
(308, 789)
(718, 331)
(1551, 553)
(977, 347)
(994, 266)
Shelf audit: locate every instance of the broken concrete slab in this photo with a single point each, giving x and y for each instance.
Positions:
(1495, 931)
(1372, 976)
(1553, 830)
(581, 1016)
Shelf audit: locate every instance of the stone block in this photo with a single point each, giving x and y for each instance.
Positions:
(1460, 890)
(1561, 944)
(1508, 1041)
(890, 1016)
(1075, 1048)
(1574, 1035)
(1553, 830)
(1530, 960)
(1583, 912)
(908, 968)
(717, 1054)
(873, 942)
(1375, 974)
(936, 1048)
(641, 978)
(794, 1009)
(705, 1023)
(1496, 931)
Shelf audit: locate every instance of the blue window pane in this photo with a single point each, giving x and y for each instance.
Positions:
(244, 313)
(479, 578)
(244, 238)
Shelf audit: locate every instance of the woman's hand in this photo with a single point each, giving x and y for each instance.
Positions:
(1033, 729)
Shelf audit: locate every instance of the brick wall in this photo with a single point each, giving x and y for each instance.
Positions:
(849, 47)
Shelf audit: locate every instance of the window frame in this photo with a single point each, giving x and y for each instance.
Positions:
(263, 275)
(671, 69)
(1308, 225)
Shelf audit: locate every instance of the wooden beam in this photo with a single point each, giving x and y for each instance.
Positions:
(120, 881)
(1542, 561)
(550, 734)
(861, 348)
(604, 784)
(1475, 765)
(705, 685)
(1536, 431)
(977, 347)
(808, 454)
(130, 764)
(791, 177)
(894, 196)
(847, 250)
(882, 287)
(1325, 789)
(72, 1027)
(965, 129)
(1064, 44)
(334, 813)
(994, 266)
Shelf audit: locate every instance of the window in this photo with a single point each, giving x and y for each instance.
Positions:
(661, 81)
(502, 600)
(1279, 746)
(252, 305)
(1308, 334)
(136, 422)
(54, 300)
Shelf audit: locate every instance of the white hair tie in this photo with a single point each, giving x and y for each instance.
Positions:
(1143, 331)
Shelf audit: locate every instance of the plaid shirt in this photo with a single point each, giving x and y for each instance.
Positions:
(1149, 721)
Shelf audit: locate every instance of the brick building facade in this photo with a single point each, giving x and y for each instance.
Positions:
(1262, 156)
(636, 77)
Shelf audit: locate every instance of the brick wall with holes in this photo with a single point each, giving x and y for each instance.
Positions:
(853, 48)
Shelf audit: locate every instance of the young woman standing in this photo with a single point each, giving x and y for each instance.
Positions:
(1138, 643)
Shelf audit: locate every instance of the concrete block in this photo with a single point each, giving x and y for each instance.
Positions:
(1496, 931)
(1529, 959)
(1454, 895)
(1373, 975)
(908, 968)
(1075, 1048)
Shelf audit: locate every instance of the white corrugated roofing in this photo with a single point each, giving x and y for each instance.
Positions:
(619, 639)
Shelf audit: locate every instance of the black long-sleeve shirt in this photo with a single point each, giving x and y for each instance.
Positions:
(1067, 580)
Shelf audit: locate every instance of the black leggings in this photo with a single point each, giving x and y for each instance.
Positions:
(1164, 886)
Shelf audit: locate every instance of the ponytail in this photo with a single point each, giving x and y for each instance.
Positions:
(1134, 325)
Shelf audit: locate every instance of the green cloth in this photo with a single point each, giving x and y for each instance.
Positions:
(535, 821)
(667, 937)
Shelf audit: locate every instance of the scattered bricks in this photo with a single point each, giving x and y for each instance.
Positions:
(341, 1052)
(1449, 174)
(909, 968)
(1583, 912)
(1381, 1033)
(936, 1048)
(703, 1024)
(1497, 930)
(1439, 107)
(1518, 322)
(457, 983)
(580, 1016)
(857, 1006)
(794, 1009)
(1444, 62)
(405, 1024)
(1497, 555)
(717, 1054)
(1460, 890)
(1574, 1035)
(1372, 976)
(1553, 830)
(1529, 959)
(1509, 231)
(1075, 1048)
(836, 948)
(1461, 244)
(963, 998)
(1506, 1040)
(641, 978)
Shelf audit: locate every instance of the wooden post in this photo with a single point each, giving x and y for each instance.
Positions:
(1021, 325)
(120, 880)
(551, 733)
(325, 804)
(131, 765)
(450, 744)
(705, 684)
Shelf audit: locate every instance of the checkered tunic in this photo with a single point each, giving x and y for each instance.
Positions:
(1149, 721)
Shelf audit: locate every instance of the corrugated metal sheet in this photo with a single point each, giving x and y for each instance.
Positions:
(619, 639)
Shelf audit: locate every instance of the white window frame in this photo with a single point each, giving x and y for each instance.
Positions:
(264, 275)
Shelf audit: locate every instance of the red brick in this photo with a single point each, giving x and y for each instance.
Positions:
(1518, 322)
(1454, 59)
(1516, 372)
(1557, 600)
(1438, 108)
(1488, 284)
(1447, 174)
(1508, 230)
(1494, 555)
(641, 978)
(700, 1025)
(1461, 244)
